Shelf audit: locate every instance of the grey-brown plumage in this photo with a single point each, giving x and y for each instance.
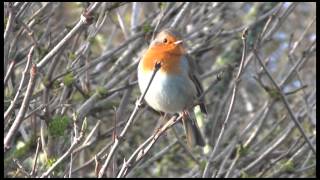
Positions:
(194, 136)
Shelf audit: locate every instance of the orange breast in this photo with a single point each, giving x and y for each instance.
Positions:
(170, 62)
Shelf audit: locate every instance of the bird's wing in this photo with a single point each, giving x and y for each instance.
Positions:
(196, 82)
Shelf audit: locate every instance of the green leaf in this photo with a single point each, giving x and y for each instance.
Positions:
(68, 79)
(244, 174)
(51, 161)
(162, 5)
(101, 91)
(242, 150)
(147, 28)
(92, 40)
(71, 56)
(274, 93)
(58, 125)
(84, 125)
(77, 96)
(288, 166)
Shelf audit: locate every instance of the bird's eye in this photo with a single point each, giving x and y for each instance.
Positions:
(165, 40)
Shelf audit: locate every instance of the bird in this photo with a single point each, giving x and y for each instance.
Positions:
(175, 87)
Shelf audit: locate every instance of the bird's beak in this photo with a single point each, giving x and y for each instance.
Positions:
(178, 42)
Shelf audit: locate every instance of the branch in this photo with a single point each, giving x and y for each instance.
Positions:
(235, 88)
(144, 148)
(125, 129)
(180, 15)
(75, 142)
(35, 158)
(84, 20)
(16, 124)
(286, 103)
(154, 158)
(9, 22)
(22, 82)
(10, 70)
(274, 145)
(21, 168)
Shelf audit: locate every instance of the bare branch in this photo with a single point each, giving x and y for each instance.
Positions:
(125, 129)
(286, 103)
(235, 87)
(18, 120)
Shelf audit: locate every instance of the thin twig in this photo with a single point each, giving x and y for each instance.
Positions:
(179, 17)
(270, 148)
(9, 22)
(84, 20)
(74, 144)
(9, 72)
(286, 103)
(158, 22)
(35, 158)
(144, 148)
(16, 124)
(153, 158)
(91, 133)
(21, 168)
(98, 155)
(22, 82)
(132, 117)
(235, 87)
(297, 43)
(185, 147)
(136, 9)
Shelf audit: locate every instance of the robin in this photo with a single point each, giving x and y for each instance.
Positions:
(174, 87)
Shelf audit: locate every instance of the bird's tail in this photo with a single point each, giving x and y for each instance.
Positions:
(193, 133)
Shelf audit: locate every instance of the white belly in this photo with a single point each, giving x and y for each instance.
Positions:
(167, 93)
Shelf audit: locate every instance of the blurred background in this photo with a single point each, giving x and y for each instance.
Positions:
(84, 57)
